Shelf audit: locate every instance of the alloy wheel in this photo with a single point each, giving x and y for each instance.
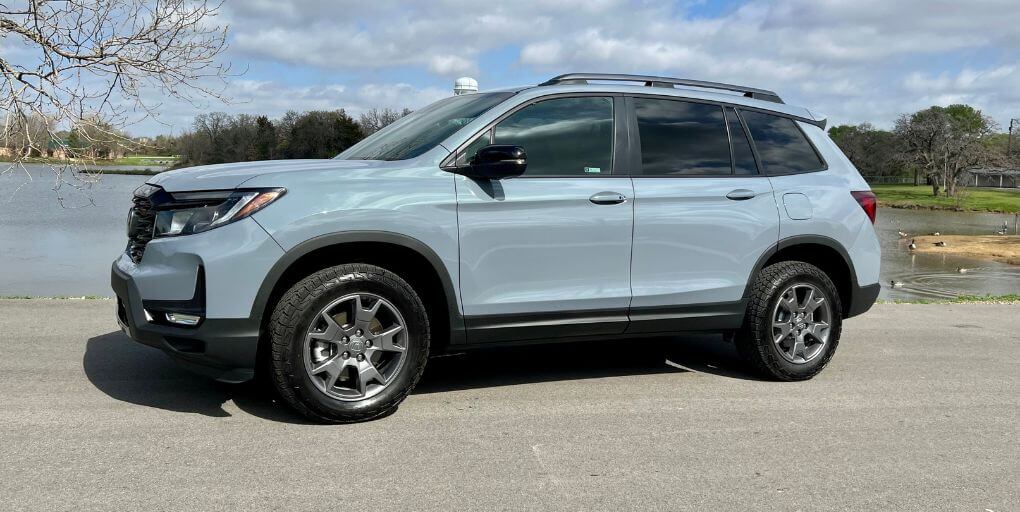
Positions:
(355, 346)
(801, 323)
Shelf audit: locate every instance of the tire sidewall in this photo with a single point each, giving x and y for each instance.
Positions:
(764, 327)
(416, 324)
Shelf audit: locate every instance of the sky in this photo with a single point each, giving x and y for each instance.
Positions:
(855, 61)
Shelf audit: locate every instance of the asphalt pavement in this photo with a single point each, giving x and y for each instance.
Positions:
(919, 410)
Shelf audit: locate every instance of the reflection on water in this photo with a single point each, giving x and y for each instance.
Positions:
(933, 276)
(49, 250)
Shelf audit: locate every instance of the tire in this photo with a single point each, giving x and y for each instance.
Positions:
(366, 367)
(771, 331)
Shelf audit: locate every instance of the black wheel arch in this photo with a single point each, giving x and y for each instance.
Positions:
(829, 255)
(406, 256)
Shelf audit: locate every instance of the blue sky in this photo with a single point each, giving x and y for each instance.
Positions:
(856, 61)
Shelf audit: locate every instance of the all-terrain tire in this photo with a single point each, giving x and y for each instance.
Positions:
(755, 341)
(301, 305)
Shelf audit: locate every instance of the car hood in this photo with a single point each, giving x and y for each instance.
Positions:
(230, 176)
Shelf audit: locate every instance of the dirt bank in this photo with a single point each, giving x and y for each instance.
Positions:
(994, 247)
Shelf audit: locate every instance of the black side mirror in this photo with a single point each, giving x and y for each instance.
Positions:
(496, 162)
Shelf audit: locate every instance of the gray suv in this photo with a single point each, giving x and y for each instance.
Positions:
(588, 207)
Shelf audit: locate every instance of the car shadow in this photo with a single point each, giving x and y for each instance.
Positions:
(141, 375)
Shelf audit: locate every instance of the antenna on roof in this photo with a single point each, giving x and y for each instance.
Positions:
(465, 85)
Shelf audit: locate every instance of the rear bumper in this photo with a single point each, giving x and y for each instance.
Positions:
(862, 298)
(223, 349)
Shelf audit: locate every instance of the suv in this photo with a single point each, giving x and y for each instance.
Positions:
(589, 207)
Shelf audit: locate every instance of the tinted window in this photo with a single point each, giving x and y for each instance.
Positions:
(743, 158)
(421, 131)
(781, 145)
(564, 136)
(678, 137)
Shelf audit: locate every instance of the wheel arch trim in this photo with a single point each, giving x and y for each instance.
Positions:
(294, 254)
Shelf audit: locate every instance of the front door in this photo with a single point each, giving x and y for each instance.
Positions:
(548, 253)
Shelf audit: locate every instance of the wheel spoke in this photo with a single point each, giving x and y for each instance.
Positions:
(797, 349)
(364, 316)
(366, 373)
(815, 329)
(384, 341)
(784, 330)
(789, 301)
(813, 305)
(809, 297)
(332, 331)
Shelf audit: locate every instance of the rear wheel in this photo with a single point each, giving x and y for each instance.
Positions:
(793, 321)
(348, 343)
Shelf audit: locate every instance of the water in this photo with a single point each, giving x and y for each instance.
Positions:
(934, 276)
(46, 249)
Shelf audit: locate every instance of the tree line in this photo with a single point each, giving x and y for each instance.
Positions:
(217, 137)
(936, 145)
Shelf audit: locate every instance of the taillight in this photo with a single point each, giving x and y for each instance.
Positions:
(868, 202)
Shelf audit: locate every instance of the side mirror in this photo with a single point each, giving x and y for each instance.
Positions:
(496, 162)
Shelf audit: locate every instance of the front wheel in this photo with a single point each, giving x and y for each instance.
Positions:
(793, 322)
(348, 343)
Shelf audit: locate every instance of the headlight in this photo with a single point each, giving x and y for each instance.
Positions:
(195, 212)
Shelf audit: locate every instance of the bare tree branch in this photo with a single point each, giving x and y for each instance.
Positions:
(93, 66)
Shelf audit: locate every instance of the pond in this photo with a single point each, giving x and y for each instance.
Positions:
(47, 249)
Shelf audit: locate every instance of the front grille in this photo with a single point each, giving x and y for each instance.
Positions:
(140, 225)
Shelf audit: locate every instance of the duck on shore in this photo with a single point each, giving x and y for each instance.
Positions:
(896, 284)
(912, 245)
(962, 270)
(940, 243)
(936, 234)
(903, 235)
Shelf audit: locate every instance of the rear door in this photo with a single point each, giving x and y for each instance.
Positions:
(703, 215)
(548, 253)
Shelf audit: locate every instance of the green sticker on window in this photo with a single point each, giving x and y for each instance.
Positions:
(593, 170)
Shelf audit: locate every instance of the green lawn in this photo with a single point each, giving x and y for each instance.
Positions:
(979, 200)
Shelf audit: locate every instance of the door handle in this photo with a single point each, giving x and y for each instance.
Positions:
(608, 198)
(740, 194)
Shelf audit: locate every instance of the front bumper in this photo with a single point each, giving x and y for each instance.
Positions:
(223, 349)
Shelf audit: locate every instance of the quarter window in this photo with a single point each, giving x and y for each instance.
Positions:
(680, 137)
(743, 157)
(562, 136)
(781, 145)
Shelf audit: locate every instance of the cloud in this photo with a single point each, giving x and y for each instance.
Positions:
(857, 60)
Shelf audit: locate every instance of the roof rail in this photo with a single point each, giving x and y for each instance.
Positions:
(659, 81)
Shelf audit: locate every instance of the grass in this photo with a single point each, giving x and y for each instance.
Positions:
(961, 299)
(975, 200)
(139, 160)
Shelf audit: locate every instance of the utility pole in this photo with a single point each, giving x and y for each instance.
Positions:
(1009, 140)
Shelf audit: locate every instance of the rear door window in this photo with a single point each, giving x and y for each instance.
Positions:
(682, 138)
(782, 146)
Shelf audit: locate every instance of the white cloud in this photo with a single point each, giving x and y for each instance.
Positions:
(857, 60)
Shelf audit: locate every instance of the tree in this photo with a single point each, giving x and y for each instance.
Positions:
(265, 138)
(946, 141)
(90, 61)
(375, 120)
(872, 151)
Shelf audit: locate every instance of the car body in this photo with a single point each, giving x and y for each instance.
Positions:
(573, 252)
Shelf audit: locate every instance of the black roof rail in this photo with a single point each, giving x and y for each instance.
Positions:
(660, 81)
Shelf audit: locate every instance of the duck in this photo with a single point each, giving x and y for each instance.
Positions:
(896, 284)
(962, 270)
(940, 243)
(912, 245)
(936, 234)
(1001, 231)
(903, 235)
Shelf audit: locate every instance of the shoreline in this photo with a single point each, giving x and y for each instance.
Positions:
(940, 208)
(1001, 248)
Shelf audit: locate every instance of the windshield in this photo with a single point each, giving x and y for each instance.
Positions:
(424, 129)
